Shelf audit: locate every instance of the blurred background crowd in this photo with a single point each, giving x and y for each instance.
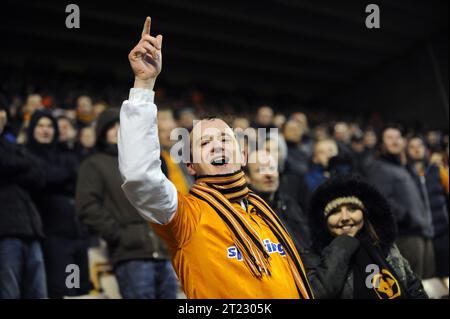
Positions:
(60, 185)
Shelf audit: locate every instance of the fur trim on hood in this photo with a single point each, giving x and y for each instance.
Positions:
(377, 209)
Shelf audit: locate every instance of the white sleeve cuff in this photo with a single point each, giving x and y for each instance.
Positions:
(138, 95)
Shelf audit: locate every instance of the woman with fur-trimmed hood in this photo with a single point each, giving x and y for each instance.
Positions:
(352, 212)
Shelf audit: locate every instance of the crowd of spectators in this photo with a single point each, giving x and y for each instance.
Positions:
(60, 184)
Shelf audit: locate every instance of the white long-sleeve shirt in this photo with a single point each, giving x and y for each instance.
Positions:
(145, 185)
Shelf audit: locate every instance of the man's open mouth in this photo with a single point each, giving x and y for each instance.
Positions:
(219, 161)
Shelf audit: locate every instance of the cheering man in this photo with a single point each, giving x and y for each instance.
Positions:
(225, 241)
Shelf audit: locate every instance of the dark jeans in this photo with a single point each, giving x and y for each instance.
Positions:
(58, 254)
(22, 271)
(146, 279)
(419, 252)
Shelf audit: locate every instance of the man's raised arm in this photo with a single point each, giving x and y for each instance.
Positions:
(146, 187)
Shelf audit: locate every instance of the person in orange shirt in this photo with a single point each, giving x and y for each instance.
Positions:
(225, 241)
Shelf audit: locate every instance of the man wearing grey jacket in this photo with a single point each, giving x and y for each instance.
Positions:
(139, 257)
(389, 174)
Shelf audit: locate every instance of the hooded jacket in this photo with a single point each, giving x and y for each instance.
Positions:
(379, 214)
(19, 177)
(103, 207)
(56, 200)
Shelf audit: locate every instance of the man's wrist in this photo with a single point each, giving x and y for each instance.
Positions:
(144, 84)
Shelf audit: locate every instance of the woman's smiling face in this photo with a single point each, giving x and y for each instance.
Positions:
(347, 219)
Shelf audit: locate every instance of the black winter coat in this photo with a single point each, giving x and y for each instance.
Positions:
(293, 217)
(56, 200)
(19, 176)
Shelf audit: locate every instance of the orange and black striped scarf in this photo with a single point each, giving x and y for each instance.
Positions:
(219, 192)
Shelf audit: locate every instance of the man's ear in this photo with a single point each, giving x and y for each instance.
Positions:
(191, 170)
